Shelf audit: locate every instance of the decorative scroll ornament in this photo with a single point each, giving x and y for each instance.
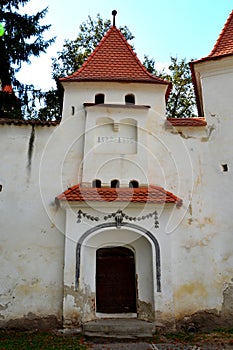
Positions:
(119, 216)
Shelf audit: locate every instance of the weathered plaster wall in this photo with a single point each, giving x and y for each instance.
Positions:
(202, 249)
(79, 93)
(148, 260)
(124, 164)
(32, 232)
(37, 237)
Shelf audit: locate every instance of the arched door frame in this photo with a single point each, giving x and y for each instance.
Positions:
(123, 224)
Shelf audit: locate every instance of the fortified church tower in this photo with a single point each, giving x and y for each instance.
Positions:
(117, 94)
(112, 259)
(117, 212)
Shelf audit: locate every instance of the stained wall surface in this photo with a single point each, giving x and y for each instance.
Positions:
(39, 236)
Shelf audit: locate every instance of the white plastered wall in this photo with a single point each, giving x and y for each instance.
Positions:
(150, 260)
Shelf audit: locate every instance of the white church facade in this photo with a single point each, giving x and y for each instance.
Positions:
(117, 211)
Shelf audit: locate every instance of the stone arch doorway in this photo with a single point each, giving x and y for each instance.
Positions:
(83, 241)
(146, 251)
(115, 280)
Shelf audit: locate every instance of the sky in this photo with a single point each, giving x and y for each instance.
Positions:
(162, 28)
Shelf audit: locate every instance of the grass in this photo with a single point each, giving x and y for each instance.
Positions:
(224, 330)
(39, 340)
(13, 340)
(218, 336)
(180, 336)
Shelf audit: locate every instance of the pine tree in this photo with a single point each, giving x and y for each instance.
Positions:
(23, 38)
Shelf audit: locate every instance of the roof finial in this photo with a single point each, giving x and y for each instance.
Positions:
(114, 13)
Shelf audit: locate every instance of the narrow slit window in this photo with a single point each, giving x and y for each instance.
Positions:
(96, 183)
(72, 110)
(130, 99)
(115, 183)
(99, 99)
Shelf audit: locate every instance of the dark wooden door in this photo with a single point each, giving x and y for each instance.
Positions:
(115, 280)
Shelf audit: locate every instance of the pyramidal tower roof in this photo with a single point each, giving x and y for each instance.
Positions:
(222, 48)
(224, 44)
(114, 60)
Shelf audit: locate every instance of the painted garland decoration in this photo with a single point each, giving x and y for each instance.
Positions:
(81, 214)
(119, 216)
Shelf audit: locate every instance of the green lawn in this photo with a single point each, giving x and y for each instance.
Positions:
(39, 340)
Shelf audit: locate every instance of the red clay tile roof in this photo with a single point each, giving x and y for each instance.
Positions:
(222, 48)
(33, 122)
(114, 60)
(151, 194)
(185, 122)
(224, 44)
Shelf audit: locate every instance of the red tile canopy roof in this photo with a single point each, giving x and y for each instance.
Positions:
(188, 122)
(151, 194)
(114, 60)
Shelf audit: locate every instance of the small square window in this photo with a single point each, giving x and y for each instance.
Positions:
(224, 167)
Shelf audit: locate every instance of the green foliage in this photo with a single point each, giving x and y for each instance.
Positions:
(10, 106)
(23, 38)
(52, 106)
(149, 64)
(181, 102)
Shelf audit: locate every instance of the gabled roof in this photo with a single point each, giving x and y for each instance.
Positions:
(114, 60)
(151, 194)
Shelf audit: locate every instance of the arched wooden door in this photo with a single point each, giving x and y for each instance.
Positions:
(115, 280)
